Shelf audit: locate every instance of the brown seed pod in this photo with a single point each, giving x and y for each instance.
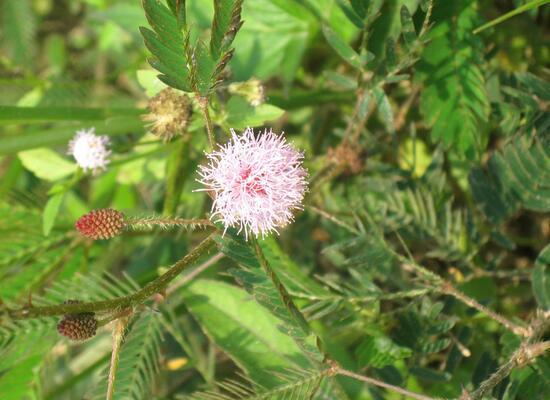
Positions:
(170, 114)
(101, 224)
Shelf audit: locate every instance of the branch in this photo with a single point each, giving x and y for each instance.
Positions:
(529, 349)
(118, 335)
(413, 395)
(167, 222)
(521, 356)
(203, 103)
(448, 288)
(140, 296)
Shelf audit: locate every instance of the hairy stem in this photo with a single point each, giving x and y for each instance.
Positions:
(520, 357)
(203, 103)
(118, 334)
(449, 289)
(529, 349)
(376, 382)
(140, 296)
(166, 222)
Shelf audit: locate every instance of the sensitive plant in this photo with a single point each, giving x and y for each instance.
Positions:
(393, 243)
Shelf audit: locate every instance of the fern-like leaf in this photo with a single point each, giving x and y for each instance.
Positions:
(516, 177)
(260, 278)
(139, 359)
(167, 43)
(19, 30)
(297, 385)
(454, 101)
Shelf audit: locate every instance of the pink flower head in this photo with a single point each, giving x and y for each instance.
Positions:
(257, 182)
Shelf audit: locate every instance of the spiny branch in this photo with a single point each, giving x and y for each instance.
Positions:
(167, 222)
(529, 349)
(203, 103)
(118, 335)
(337, 370)
(140, 296)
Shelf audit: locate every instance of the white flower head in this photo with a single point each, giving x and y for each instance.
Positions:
(90, 150)
(257, 182)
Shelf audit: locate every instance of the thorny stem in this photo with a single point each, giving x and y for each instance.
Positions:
(448, 288)
(165, 222)
(372, 381)
(529, 349)
(203, 103)
(140, 296)
(445, 287)
(520, 357)
(118, 334)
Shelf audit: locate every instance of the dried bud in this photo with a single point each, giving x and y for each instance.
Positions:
(252, 90)
(101, 224)
(346, 157)
(80, 326)
(170, 114)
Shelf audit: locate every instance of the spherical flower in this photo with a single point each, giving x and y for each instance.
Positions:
(170, 114)
(89, 150)
(257, 182)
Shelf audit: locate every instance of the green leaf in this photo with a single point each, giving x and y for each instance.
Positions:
(19, 30)
(40, 136)
(407, 26)
(518, 176)
(226, 23)
(167, 42)
(50, 212)
(430, 375)
(540, 279)
(454, 100)
(246, 331)
(379, 351)
(343, 49)
(259, 276)
(241, 114)
(23, 358)
(384, 109)
(203, 69)
(11, 114)
(46, 164)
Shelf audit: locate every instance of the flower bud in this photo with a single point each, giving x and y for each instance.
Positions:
(252, 90)
(101, 224)
(79, 326)
(170, 114)
(346, 157)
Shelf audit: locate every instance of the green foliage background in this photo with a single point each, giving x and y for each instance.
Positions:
(427, 145)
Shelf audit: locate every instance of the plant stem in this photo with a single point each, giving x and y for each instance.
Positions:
(203, 103)
(449, 289)
(376, 382)
(118, 335)
(520, 357)
(166, 222)
(140, 296)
